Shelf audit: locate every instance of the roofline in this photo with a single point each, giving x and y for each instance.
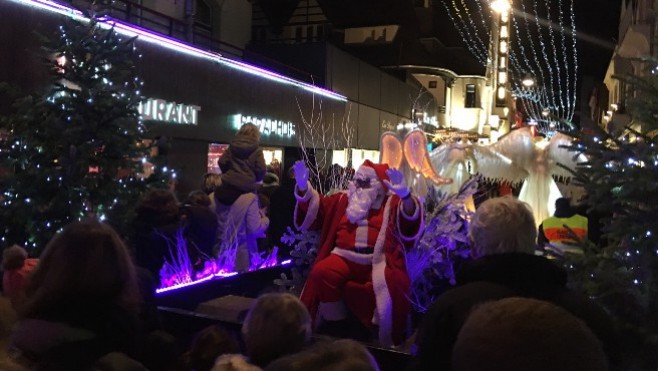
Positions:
(432, 70)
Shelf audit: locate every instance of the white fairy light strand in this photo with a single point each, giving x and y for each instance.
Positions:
(480, 54)
(534, 50)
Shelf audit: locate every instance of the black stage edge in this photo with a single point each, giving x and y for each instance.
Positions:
(177, 311)
(249, 284)
(185, 324)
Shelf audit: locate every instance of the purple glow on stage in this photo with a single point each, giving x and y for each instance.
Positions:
(131, 30)
(207, 275)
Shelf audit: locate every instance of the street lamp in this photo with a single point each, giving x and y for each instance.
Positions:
(528, 80)
(501, 49)
(501, 6)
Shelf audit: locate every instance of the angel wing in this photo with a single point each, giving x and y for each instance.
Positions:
(391, 152)
(557, 154)
(445, 156)
(416, 155)
(509, 159)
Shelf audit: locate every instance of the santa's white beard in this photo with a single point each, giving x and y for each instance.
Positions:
(359, 202)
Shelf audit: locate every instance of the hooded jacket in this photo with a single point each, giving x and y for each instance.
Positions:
(242, 164)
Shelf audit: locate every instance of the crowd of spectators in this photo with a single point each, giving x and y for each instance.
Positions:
(88, 303)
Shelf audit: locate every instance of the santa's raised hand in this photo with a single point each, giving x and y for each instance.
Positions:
(396, 183)
(301, 175)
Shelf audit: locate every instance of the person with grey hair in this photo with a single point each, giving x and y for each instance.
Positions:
(502, 225)
(503, 236)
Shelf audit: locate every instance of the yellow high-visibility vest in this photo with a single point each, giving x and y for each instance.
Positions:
(555, 231)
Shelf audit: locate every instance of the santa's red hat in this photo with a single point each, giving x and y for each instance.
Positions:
(379, 171)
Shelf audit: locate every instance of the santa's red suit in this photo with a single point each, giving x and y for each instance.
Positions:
(362, 263)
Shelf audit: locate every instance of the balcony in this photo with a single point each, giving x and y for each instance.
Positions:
(194, 33)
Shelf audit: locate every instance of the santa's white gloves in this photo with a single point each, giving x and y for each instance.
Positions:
(396, 183)
(301, 175)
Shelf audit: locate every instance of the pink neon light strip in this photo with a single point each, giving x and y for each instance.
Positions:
(147, 35)
(220, 275)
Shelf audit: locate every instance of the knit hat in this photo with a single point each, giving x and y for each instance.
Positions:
(379, 171)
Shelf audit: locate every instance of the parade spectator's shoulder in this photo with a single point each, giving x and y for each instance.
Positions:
(513, 270)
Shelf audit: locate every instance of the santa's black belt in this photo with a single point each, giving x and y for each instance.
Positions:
(364, 250)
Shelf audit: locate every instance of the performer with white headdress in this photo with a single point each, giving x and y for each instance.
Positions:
(515, 157)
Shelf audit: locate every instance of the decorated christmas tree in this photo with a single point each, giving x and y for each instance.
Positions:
(76, 151)
(621, 180)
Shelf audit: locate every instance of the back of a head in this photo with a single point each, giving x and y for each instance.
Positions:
(83, 269)
(208, 344)
(198, 198)
(277, 324)
(339, 355)
(13, 257)
(503, 225)
(210, 182)
(563, 208)
(526, 335)
(158, 204)
(270, 180)
(249, 130)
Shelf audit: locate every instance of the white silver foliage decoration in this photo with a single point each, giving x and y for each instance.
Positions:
(305, 250)
(177, 268)
(444, 242)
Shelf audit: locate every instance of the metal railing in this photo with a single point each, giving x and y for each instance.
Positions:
(197, 34)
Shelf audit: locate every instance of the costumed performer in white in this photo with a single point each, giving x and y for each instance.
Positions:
(361, 258)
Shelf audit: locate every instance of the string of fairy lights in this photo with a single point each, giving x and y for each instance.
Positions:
(543, 46)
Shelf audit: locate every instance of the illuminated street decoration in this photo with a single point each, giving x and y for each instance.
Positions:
(170, 112)
(267, 126)
(543, 36)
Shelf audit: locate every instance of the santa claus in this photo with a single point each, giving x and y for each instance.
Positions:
(361, 258)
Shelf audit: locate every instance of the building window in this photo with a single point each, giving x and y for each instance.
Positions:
(471, 96)
(298, 34)
(319, 31)
(309, 33)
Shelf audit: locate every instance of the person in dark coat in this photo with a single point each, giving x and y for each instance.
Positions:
(283, 203)
(503, 237)
(82, 304)
(157, 222)
(200, 224)
(242, 164)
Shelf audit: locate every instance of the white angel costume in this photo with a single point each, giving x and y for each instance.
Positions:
(515, 157)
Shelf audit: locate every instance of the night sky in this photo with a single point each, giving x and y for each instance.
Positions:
(600, 19)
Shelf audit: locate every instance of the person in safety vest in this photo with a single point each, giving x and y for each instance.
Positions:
(554, 233)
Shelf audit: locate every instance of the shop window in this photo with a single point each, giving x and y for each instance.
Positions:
(471, 96)
(360, 155)
(215, 151)
(203, 13)
(273, 159)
